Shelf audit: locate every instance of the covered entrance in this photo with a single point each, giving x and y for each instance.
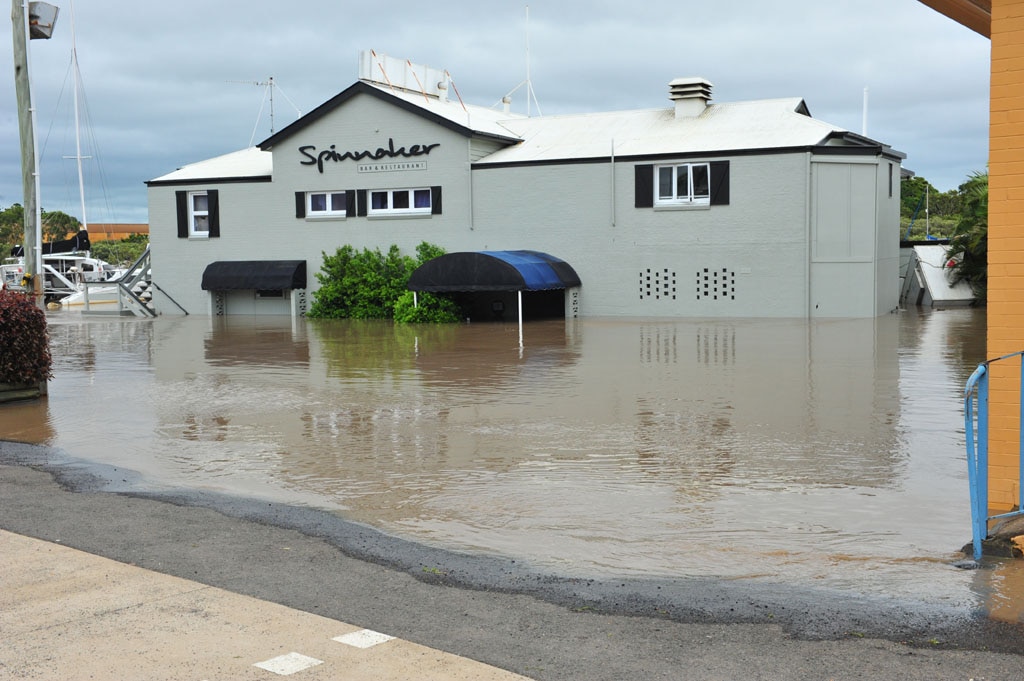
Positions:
(256, 286)
(494, 284)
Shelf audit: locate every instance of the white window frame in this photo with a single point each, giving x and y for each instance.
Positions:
(390, 210)
(685, 197)
(195, 215)
(328, 212)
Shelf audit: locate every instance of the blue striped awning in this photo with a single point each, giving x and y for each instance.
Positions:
(493, 271)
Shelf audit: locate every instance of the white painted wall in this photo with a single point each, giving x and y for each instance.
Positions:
(798, 238)
(854, 237)
(759, 239)
(257, 220)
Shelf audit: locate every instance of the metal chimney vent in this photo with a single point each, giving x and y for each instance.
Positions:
(691, 95)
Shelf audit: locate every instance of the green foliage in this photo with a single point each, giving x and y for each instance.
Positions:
(24, 344)
(12, 227)
(969, 245)
(361, 285)
(912, 197)
(426, 251)
(123, 252)
(58, 225)
(373, 285)
(933, 213)
(432, 309)
(939, 227)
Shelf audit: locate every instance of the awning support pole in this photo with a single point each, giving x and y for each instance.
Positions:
(520, 293)
(415, 300)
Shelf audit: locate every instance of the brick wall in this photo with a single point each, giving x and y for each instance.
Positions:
(1006, 246)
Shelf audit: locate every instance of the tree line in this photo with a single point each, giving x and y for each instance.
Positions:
(57, 225)
(959, 215)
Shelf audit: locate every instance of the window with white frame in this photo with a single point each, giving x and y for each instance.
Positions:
(327, 204)
(198, 214)
(683, 184)
(415, 201)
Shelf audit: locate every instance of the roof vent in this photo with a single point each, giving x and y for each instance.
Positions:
(691, 96)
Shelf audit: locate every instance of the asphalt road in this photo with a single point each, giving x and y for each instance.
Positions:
(495, 610)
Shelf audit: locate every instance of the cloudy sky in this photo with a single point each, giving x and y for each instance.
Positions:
(169, 83)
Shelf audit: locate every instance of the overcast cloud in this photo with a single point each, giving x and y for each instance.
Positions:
(170, 83)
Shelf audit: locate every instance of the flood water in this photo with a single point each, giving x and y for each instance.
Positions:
(808, 452)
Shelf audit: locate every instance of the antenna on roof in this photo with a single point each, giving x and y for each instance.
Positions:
(530, 94)
(268, 86)
(864, 115)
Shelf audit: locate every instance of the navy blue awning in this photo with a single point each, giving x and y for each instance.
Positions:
(264, 275)
(493, 271)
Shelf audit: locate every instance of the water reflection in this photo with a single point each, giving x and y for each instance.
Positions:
(828, 451)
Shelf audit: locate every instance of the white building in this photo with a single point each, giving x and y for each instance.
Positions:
(748, 209)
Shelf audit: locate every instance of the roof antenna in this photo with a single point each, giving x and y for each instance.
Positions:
(530, 94)
(864, 115)
(268, 86)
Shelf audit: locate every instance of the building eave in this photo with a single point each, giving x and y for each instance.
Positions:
(209, 181)
(974, 14)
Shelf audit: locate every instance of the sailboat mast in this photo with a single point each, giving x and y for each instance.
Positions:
(78, 137)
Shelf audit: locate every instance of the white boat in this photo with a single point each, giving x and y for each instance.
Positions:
(69, 273)
(124, 291)
(63, 274)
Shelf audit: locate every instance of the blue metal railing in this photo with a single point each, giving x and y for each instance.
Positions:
(976, 431)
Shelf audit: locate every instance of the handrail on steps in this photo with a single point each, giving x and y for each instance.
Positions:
(136, 274)
(976, 415)
(157, 287)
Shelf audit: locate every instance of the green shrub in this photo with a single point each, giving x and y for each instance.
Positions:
(431, 309)
(360, 285)
(121, 253)
(373, 285)
(24, 344)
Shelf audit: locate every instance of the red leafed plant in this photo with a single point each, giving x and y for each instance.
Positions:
(24, 344)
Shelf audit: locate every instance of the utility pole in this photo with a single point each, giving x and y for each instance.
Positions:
(30, 20)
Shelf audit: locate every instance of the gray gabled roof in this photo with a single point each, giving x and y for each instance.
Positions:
(246, 164)
(719, 129)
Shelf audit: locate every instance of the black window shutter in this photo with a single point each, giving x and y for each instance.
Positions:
(350, 202)
(361, 203)
(719, 183)
(181, 202)
(214, 207)
(644, 192)
(300, 204)
(435, 200)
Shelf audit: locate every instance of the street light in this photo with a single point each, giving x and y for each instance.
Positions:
(41, 18)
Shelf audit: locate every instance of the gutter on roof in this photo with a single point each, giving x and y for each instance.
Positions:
(208, 180)
(874, 149)
(860, 141)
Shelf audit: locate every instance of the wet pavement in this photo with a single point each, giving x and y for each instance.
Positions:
(66, 614)
(492, 611)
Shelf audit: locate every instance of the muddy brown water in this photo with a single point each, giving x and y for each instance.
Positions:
(822, 452)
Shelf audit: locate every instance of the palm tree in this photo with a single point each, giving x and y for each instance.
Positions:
(968, 247)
